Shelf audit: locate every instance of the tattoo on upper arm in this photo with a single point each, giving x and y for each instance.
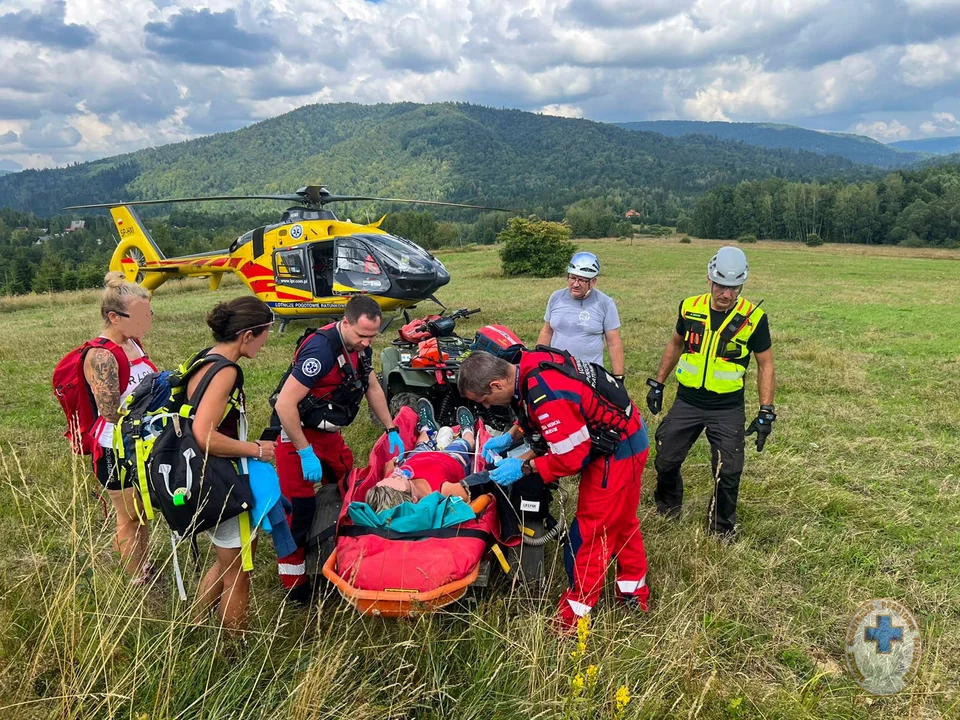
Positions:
(104, 380)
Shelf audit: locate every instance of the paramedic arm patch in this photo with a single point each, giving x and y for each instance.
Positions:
(314, 361)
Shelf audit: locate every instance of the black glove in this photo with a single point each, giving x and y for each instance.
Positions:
(762, 425)
(655, 396)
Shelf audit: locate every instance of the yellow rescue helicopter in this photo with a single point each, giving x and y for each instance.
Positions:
(307, 265)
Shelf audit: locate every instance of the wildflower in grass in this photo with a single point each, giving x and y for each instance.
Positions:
(620, 701)
(576, 685)
(583, 632)
(592, 673)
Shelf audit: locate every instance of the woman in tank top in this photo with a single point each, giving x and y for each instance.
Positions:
(240, 328)
(126, 313)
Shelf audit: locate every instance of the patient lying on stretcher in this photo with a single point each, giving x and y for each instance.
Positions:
(428, 468)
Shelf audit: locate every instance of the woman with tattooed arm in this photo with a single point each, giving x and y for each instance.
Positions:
(126, 313)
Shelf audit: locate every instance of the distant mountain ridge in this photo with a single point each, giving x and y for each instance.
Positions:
(935, 146)
(856, 148)
(446, 151)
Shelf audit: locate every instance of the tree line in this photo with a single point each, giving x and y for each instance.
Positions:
(914, 208)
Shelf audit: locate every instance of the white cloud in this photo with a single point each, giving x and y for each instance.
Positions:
(885, 131)
(942, 123)
(889, 66)
(562, 110)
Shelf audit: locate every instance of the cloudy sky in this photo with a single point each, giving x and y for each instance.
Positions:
(81, 79)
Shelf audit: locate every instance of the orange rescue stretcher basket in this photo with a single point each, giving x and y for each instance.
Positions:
(403, 603)
(382, 576)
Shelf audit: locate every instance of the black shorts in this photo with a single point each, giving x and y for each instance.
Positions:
(107, 471)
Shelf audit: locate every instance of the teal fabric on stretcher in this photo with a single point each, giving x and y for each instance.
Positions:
(431, 513)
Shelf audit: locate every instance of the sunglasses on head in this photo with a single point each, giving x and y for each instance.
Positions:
(254, 327)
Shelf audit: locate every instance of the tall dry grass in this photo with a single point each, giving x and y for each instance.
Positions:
(856, 496)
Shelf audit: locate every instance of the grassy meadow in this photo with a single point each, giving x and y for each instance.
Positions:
(856, 496)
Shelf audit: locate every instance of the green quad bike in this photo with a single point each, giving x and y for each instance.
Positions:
(424, 362)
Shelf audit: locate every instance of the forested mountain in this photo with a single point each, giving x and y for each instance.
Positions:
(935, 146)
(457, 152)
(856, 148)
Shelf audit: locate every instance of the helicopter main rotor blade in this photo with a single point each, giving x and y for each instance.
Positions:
(287, 198)
(350, 198)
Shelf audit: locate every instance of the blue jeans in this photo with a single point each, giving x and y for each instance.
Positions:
(459, 449)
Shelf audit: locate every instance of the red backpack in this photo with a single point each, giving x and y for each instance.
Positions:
(76, 399)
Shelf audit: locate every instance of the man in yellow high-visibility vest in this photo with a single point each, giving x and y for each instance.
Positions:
(710, 350)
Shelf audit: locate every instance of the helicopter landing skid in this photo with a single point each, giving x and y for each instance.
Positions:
(284, 321)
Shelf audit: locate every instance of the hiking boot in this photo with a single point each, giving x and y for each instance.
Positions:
(465, 420)
(425, 414)
(639, 602)
(302, 595)
(669, 511)
(724, 537)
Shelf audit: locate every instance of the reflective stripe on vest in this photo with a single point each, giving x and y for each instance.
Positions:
(704, 368)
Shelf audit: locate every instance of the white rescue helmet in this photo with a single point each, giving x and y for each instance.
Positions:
(728, 267)
(584, 264)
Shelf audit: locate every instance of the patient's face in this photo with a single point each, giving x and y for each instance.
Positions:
(397, 482)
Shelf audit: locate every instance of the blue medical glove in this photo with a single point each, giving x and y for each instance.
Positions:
(495, 446)
(312, 471)
(396, 443)
(508, 471)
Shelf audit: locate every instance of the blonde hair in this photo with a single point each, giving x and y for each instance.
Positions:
(382, 497)
(117, 292)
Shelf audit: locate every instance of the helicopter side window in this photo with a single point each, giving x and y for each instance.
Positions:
(289, 268)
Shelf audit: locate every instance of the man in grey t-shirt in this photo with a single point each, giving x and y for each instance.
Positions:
(579, 318)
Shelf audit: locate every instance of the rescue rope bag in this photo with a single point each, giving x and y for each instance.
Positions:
(73, 393)
(498, 340)
(607, 408)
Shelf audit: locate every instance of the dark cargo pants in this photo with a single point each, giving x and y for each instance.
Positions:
(676, 435)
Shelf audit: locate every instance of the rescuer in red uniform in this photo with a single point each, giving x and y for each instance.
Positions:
(586, 424)
(331, 373)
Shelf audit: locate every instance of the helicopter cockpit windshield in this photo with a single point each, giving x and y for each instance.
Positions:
(357, 267)
(379, 262)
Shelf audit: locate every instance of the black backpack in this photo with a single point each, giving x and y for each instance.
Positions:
(195, 491)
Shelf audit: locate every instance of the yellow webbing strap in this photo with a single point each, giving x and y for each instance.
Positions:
(246, 547)
(498, 553)
(142, 478)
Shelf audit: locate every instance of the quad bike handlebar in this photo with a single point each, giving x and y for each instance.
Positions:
(432, 326)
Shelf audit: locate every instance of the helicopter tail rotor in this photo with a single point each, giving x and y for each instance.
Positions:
(136, 249)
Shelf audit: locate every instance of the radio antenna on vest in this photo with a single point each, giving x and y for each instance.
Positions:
(747, 318)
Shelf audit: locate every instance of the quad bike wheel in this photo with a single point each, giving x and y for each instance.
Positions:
(403, 399)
